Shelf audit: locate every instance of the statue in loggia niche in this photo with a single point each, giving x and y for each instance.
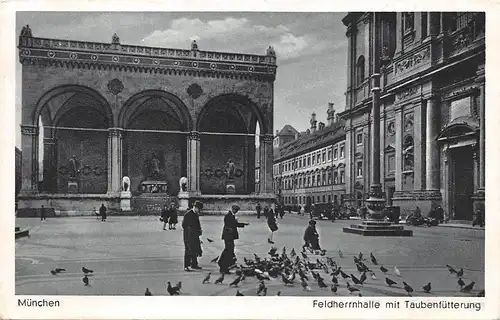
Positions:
(152, 167)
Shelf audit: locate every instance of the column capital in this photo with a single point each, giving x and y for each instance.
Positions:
(116, 132)
(267, 138)
(29, 130)
(194, 135)
(48, 141)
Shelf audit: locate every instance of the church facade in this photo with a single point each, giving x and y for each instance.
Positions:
(432, 103)
(178, 124)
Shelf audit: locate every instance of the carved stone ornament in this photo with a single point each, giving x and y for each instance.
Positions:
(391, 130)
(408, 123)
(407, 93)
(412, 61)
(29, 130)
(115, 86)
(194, 135)
(194, 91)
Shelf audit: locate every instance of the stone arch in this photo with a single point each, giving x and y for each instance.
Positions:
(256, 114)
(177, 105)
(41, 109)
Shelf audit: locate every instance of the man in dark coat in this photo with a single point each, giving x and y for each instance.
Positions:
(103, 212)
(191, 232)
(229, 234)
(165, 217)
(311, 236)
(258, 208)
(42, 214)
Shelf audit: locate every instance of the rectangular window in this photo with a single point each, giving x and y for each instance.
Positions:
(318, 177)
(359, 138)
(342, 151)
(313, 159)
(324, 178)
(335, 177)
(335, 154)
(342, 177)
(308, 161)
(329, 154)
(359, 168)
(323, 157)
(329, 177)
(313, 178)
(324, 199)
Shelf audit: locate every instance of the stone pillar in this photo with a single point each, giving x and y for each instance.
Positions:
(49, 165)
(115, 160)
(482, 132)
(399, 33)
(398, 125)
(419, 145)
(193, 162)
(432, 161)
(266, 163)
(477, 169)
(29, 164)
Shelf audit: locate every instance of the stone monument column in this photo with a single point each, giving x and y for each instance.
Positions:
(115, 160)
(29, 184)
(49, 170)
(432, 167)
(419, 146)
(266, 163)
(193, 162)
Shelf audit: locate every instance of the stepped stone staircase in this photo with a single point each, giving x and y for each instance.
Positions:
(378, 228)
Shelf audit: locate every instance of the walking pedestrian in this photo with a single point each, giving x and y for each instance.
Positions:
(42, 214)
(258, 208)
(103, 212)
(191, 234)
(172, 216)
(164, 217)
(277, 210)
(266, 211)
(271, 223)
(229, 234)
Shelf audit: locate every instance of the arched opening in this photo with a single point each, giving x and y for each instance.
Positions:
(228, 125)
(153, 159)
(81, 151)
(360, 70)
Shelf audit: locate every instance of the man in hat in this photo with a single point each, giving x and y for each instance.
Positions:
(229, 234)
(191, 232)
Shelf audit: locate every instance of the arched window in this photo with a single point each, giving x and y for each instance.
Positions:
(360, 70)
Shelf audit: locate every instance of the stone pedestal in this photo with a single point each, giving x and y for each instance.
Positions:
(72, 187)
(125, 197)
(230, 187)
(378, 228)
(183, 198)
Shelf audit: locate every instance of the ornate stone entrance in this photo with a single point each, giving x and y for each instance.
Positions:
(155, 115)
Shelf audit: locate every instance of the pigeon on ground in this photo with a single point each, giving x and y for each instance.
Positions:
(384, 270)
(481, 293)
(351, 288)
(373, 276)
(344, 275)
(360, 257)
(87, 271)
(355, 280)
(221, 278)
(397, 272)
(173, 291)
(468, 287)
(304, 255)
(239, 294)
(147, 293)
(460, 273)
(427, 288)
(59, 270)
(360, 268)
(207, 278)
(235, 282)
(178, 286)
(362, 279)
(278, 293)
(341, 255)
(333, 288)
(461, 283)
(209, 240)
(53, 272)
(408, 288)
(305, 286)
(374, 260)
(322, 284)
(285, 280)
(389, 282)
(214, 260)
(292, 254)
(86, 280)
(261, 288)
(335, 280)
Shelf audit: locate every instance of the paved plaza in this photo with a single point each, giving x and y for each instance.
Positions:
(130, 254)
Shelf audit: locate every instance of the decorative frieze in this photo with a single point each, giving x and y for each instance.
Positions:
(412, 61)
(407, 93)
(29, 130)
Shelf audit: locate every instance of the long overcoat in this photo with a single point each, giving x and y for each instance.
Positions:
(191, 232)
(231, 225)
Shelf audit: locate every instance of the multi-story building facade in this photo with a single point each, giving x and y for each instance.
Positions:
(311, 168)
(432, 109)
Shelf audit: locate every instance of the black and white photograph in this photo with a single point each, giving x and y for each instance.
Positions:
(286, 154)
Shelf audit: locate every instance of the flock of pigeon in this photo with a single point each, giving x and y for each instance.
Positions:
(292, 268)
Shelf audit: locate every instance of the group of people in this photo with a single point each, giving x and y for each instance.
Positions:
(169, 215)
(280, 211)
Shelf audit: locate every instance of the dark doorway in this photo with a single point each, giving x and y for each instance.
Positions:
(462, 183)
(308, 203)
(390, 194)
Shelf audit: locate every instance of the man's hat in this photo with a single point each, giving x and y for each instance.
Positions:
(312, 222)
(198, 204)
(235, 207)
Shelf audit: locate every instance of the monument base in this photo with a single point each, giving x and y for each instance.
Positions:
(378, 228)
(230, 187)
(183, 198)
(125, 197)
(72, 187)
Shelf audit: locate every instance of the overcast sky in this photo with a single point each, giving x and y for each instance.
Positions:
(311, 48)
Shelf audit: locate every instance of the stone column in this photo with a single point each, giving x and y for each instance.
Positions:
(482, 132)
(432, 161)
(49, 164)
(399, 33)
(193, 162)
(266, 163)
(419, 145)
(114, 160)
(477, 169)
(398, 125)
(29, 164)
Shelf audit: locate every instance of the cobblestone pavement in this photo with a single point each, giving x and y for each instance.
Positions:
(129, 254)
